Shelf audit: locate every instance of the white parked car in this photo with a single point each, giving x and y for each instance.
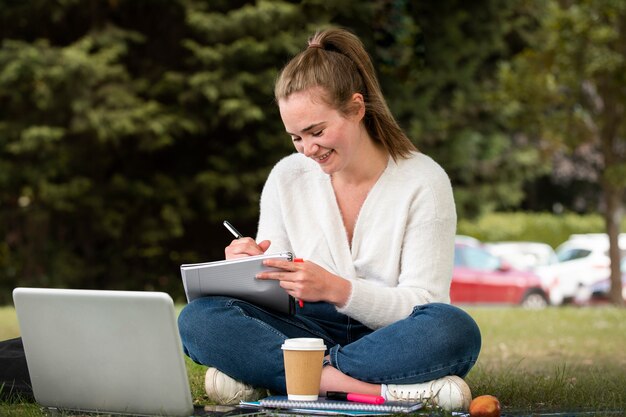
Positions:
(601, 289)
(531, 256)
(583, 261)
(524, 255)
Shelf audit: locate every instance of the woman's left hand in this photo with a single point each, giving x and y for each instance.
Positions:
(308, 281)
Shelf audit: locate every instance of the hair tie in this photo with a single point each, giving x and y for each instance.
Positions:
(315, 45)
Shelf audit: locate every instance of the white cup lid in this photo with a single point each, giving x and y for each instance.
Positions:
(304, 343)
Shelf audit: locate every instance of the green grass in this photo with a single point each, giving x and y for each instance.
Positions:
(557, 359)
(534, 361)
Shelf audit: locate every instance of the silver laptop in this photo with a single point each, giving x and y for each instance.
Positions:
(104, 351)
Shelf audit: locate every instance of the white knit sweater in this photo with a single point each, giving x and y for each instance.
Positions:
(402, 250)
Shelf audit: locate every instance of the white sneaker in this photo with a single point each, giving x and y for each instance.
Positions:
(225, 390)
(449, 393)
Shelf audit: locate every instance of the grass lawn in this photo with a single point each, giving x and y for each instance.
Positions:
(534, 361)
(557, 359)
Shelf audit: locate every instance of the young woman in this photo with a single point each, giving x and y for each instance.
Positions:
(375, 221)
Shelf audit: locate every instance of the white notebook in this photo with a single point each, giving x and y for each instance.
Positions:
(236, 278)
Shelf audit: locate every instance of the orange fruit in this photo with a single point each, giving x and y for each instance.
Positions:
(485, 406)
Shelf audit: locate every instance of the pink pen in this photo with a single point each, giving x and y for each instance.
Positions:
(300, 302)
(355, 397)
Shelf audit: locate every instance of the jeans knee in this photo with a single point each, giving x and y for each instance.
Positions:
(469, 333)
(456, 328)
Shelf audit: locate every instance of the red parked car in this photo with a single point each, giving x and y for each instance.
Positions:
(482, 278)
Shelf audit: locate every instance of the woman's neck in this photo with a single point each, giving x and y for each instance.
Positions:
(366, 167)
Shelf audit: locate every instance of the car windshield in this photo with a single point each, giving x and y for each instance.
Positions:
(475, 258)
(571, 254)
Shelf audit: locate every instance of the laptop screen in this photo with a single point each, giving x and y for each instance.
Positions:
(104, 351)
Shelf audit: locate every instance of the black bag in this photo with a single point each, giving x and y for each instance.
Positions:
(14, 378)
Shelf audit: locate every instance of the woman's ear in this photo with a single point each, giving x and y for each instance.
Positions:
(357, 106)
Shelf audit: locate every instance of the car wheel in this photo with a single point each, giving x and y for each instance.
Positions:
(534, 299)
(583, 295)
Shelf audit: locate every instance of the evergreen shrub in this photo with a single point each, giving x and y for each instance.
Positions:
(549, 228)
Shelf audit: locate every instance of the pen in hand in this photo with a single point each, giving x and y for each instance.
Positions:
(300, 302)
(232, 230)
(238, 235)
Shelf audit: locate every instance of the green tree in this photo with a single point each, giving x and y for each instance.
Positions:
(568, 90)
(72, 118)
(438, 62)
(86, 195)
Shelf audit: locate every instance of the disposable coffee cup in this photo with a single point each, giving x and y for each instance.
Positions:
(303, 367)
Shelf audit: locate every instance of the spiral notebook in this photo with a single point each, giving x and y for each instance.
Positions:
(236, 278)
(326, 406)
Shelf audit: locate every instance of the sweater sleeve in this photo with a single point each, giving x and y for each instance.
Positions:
(422, 282)
(415, 257)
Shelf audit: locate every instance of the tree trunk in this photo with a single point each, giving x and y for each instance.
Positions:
(613, 217)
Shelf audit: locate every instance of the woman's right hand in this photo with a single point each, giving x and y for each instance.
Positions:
(245, 246)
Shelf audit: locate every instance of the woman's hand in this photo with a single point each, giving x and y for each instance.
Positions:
(245, 246)
(308, 281)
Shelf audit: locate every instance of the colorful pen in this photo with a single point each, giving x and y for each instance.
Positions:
(355, 397)
(232, 229)
(300, 302)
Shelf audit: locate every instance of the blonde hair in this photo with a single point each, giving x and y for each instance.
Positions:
(337, 61)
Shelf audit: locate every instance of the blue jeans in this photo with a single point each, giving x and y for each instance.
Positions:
(244, 341)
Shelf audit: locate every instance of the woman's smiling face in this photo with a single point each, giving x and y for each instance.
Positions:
(319, 131)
